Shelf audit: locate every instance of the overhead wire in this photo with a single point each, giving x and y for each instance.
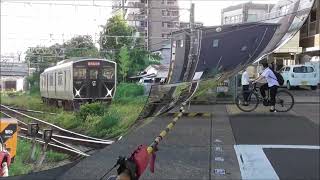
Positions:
(252, 26)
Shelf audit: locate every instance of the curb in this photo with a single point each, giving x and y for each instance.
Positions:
(230, 103)
(189, 114)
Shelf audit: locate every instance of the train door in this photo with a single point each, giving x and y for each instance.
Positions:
(94, 81)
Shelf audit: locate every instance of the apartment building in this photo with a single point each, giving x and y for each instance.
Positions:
(154, 20)
(310, 35)
(246, 12)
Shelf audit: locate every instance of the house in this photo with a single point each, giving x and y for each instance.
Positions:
(13, 76)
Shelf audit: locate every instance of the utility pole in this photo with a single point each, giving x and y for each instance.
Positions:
(192, 54)
(147, 5)
(122, 4)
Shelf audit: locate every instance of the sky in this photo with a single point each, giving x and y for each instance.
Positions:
(31, 23)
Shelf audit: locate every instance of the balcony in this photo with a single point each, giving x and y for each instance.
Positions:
(136, 17)
(136, 4)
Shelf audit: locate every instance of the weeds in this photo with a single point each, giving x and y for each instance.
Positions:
(21, 165)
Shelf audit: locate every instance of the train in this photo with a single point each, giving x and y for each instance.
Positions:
(75, 81)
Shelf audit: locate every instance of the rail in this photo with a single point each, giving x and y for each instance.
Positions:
(76, 144)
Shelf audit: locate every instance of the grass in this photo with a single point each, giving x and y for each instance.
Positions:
(20, 165)
(27, 101)
(95, 119)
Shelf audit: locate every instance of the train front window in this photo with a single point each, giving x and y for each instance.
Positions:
(93, 73)
(79, 73)
(108, 73)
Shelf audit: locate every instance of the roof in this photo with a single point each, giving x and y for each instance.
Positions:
(13, 69)
(68, 62)
(248, 5)
(162, 67)
(222, 27)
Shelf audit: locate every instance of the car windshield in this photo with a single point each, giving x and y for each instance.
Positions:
(303, 69)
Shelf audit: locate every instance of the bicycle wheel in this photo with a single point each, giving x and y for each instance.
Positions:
(251, 105)
(284, 101)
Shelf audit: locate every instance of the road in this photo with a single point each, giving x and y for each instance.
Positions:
(227, 145)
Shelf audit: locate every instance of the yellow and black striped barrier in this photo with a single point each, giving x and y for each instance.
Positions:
(190, 114)
(163, 133)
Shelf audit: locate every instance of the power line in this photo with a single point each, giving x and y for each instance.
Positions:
(235, 24)
(90, 5)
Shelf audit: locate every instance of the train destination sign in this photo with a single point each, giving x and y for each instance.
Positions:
(93, 63)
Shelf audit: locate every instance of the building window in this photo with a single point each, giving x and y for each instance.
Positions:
(174, 13)
(163, 24)
(313, 16)
(226, 20)
(164, 12)
(170, 2)
(215, 43)
(163, 2)
(252, 17)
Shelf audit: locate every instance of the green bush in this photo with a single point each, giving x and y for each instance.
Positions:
(104, 125)
(95, 109)
(126, 90)
(21, 165)
(67, 120)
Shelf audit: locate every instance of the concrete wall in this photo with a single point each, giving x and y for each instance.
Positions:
(291, 46)
(20, 83)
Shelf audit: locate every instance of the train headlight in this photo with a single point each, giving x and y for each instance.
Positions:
(33, 129)
(47, 135)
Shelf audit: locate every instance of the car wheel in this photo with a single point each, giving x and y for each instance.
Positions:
(289, 85)
(313, 87)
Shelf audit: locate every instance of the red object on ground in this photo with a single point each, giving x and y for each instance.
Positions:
(4, 157)
(141, 158)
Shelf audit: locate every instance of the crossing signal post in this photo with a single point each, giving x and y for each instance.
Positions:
(33, 129)
(46, 136)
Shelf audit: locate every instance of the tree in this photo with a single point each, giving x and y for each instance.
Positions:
(140, 59)
(124, 62)
(80, 46)
(116, 26)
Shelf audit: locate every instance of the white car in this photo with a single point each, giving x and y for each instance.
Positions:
(299, 75)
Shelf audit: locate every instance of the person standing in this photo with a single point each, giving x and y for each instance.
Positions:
(272, 84)
(245, 81)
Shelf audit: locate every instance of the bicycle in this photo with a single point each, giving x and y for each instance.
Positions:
(284, 100)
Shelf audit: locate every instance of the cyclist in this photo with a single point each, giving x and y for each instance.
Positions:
(272, 84)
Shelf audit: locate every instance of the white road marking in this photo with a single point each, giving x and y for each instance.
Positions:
(254, 164)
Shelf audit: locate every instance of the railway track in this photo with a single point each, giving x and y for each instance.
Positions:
(63, 140)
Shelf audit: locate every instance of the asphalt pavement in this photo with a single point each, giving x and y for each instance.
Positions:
(227, 144)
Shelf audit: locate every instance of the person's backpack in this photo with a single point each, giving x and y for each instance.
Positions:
(279, 77)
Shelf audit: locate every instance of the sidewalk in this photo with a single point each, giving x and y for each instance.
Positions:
(192, 150)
